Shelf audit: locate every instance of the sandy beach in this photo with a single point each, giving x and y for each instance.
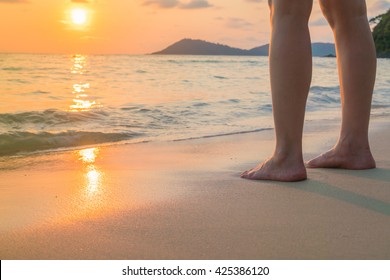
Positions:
(185, 200)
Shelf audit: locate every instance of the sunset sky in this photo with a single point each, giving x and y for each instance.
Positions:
(141, 26)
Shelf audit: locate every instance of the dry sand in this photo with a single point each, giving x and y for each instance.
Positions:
(185, 200)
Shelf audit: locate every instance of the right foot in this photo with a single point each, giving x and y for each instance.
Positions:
(345, 159)
(274, 169)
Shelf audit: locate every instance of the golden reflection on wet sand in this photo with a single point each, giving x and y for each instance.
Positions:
(93, 177)
(90, 194)
(88, 155)
(93, 185)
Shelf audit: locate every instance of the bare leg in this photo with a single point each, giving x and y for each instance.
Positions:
(290, 70)
(357, 70)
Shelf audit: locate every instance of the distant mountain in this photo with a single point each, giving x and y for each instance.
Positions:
(200, 47)
(323, 49)
(261, 51)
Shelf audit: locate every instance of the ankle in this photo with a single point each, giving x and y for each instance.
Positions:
(353, 145)
(288, 156)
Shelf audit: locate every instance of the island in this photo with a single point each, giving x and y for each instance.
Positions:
(201, 47)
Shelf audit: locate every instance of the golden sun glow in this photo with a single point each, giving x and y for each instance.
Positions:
(79, 16)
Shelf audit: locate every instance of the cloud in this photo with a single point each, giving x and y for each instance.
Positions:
(238, 23)
(13, 1)
(255, 1)
(162, 3)
(196, 4)
(167, 4)
(380, 6)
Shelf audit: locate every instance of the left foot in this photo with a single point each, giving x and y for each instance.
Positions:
(274, 169)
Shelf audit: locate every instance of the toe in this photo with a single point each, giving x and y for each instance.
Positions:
(314, 163)
(309, 164)
(247, 174)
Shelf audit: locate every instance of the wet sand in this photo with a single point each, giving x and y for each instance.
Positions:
(185, 200)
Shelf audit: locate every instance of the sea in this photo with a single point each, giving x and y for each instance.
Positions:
(59, 102)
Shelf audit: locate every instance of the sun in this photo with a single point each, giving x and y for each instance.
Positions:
(79, 16)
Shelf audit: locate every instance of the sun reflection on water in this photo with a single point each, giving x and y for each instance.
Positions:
(81, 99)
(79, 64)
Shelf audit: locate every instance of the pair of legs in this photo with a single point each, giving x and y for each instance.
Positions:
(291, 70)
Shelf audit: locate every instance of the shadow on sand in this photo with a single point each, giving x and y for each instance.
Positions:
(325, 189)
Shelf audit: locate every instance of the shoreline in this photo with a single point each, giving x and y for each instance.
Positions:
(26, 154)
(185, 200)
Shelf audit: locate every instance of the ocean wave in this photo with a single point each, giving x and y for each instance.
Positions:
(19, 81)
(12, 68)
(50, 117)
(320, 89)
(200, 104)
(230, 101)
(25, 142)
(325, 99)
(130, 108)
(213, 61)
(37, 92)
(321, 96)
(180, 61)
(222, 134)
(220, 77)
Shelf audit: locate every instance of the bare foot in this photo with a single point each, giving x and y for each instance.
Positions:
(344, 159)
(286, 170)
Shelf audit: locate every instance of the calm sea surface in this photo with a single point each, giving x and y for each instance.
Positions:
(59, 101)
